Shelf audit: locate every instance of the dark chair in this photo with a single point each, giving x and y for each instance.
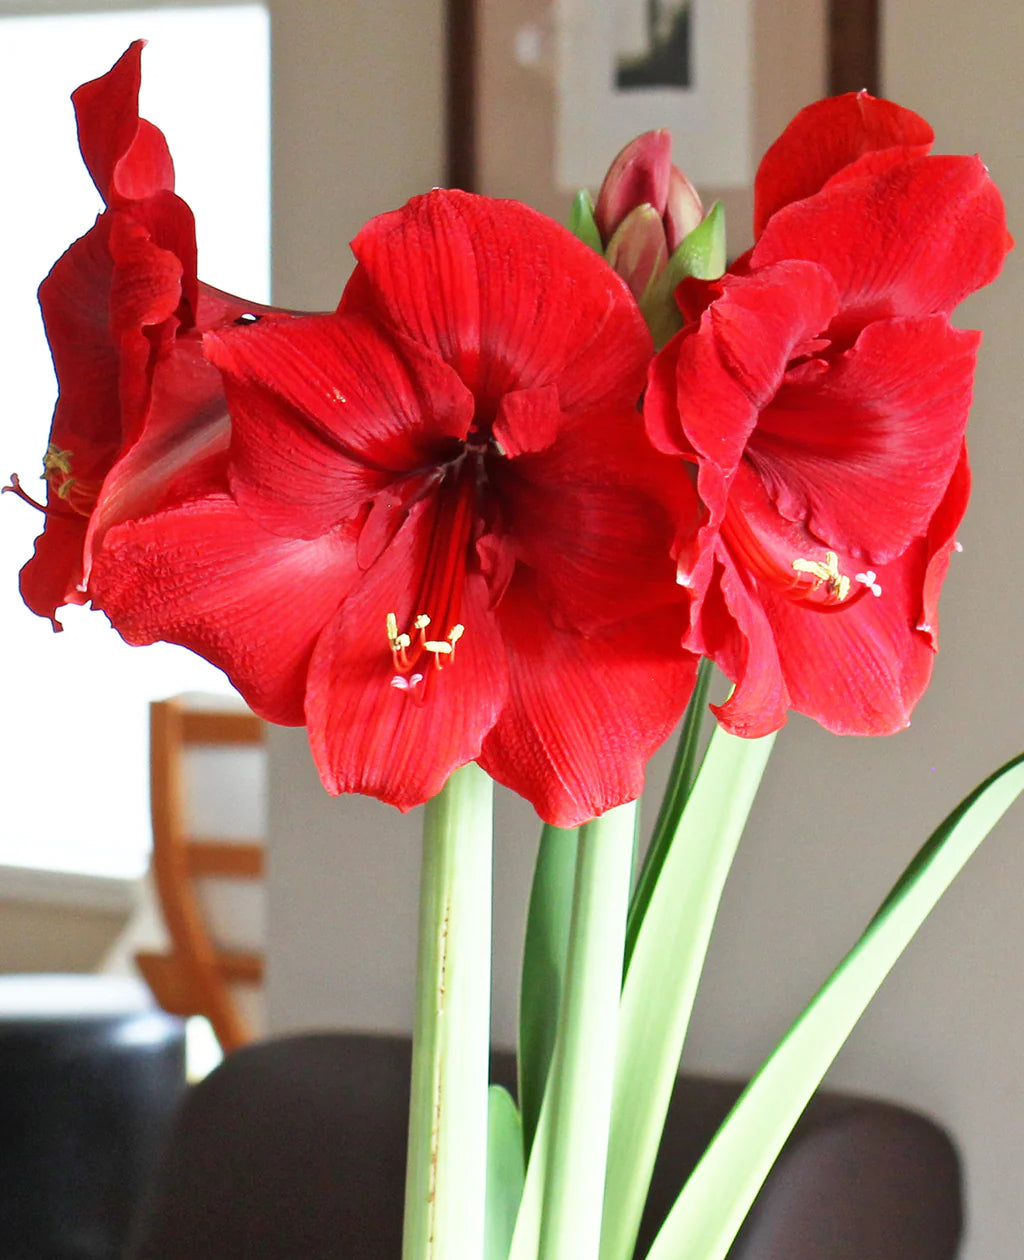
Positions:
(296, 1147)
(91, 1075)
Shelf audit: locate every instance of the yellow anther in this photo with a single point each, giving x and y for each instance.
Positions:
(421, 622)
(826, 572)
(437, 645)
(456, 633)
(392, 624)
(56, 461)
(402, 641)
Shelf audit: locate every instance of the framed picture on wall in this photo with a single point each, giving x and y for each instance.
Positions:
(543, 93)
(634, 65)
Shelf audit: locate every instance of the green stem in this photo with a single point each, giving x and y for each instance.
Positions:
(680, 784)
(447, 1158)
(583, 1069)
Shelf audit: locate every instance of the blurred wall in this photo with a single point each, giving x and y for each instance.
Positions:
(837, 820)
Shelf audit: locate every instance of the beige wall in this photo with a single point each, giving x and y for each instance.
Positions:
(837, 819)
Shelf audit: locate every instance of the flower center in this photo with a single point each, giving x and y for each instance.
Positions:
(427, 644)
(79, 495)
(784, 555)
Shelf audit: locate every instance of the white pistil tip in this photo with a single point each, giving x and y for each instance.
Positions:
(957, 545)
(401, 683)
(868, 580)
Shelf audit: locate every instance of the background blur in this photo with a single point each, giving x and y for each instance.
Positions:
(355, 126)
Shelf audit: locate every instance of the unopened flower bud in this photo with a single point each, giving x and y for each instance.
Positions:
(651, 227)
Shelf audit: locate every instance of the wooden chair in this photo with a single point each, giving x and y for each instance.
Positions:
(199, 974)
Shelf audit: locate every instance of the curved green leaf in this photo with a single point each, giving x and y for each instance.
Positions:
(505, 1172)
(709, 1211)
(544, 955)
(681, 779)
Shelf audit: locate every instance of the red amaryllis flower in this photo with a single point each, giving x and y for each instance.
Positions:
(444, 536)
(822, 396)
(124, 315)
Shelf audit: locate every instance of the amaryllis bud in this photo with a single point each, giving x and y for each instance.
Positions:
(683, 210)
(638, 176)
(637, 249)
(650, 226)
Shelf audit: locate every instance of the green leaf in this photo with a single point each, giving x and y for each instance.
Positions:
(708, 1213)
(662, 978)
(581, 221)
(677, 792)
(702, 252)
(505, 1172)
(544, 955)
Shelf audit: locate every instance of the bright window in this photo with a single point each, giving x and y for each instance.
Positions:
(74, 753)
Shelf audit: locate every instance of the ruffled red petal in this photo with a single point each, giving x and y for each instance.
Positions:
(75, 301)
(127, 157)
(584, 713)
(591, 518)
(205, 576)
(914, 240)
(506, 296)
(825, 137)
(186, 422)
(53, 575)
(863, 451)
(327, 411)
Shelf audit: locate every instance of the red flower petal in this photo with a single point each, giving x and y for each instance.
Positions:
(862, 670)
(915, 240)
(939, 544)
(528, 420)
(590, 516)
(53, 574)
(827, 136)
(736, 634)
(400, 743)
(75, 300)
(506, 296)
(863, 452)
(205, 576)
(127, 157)
(327, 411)
(584, 714)
(186, 422)
(709, 385)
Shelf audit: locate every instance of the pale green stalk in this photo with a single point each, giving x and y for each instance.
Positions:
(447, 1158)
(584, 1062)
(664, 971)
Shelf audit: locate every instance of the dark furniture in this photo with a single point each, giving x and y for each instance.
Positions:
(296, 1148)
(90, 1077)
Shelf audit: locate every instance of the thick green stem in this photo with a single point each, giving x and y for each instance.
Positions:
(583, 1069)
(447, 1159)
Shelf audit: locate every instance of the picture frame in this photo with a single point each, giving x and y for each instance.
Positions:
(537, 106)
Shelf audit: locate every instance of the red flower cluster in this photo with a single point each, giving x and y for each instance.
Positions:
(820, 394)
(432, 526)
(124, 313)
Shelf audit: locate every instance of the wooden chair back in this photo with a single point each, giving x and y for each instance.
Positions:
(197, 975)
